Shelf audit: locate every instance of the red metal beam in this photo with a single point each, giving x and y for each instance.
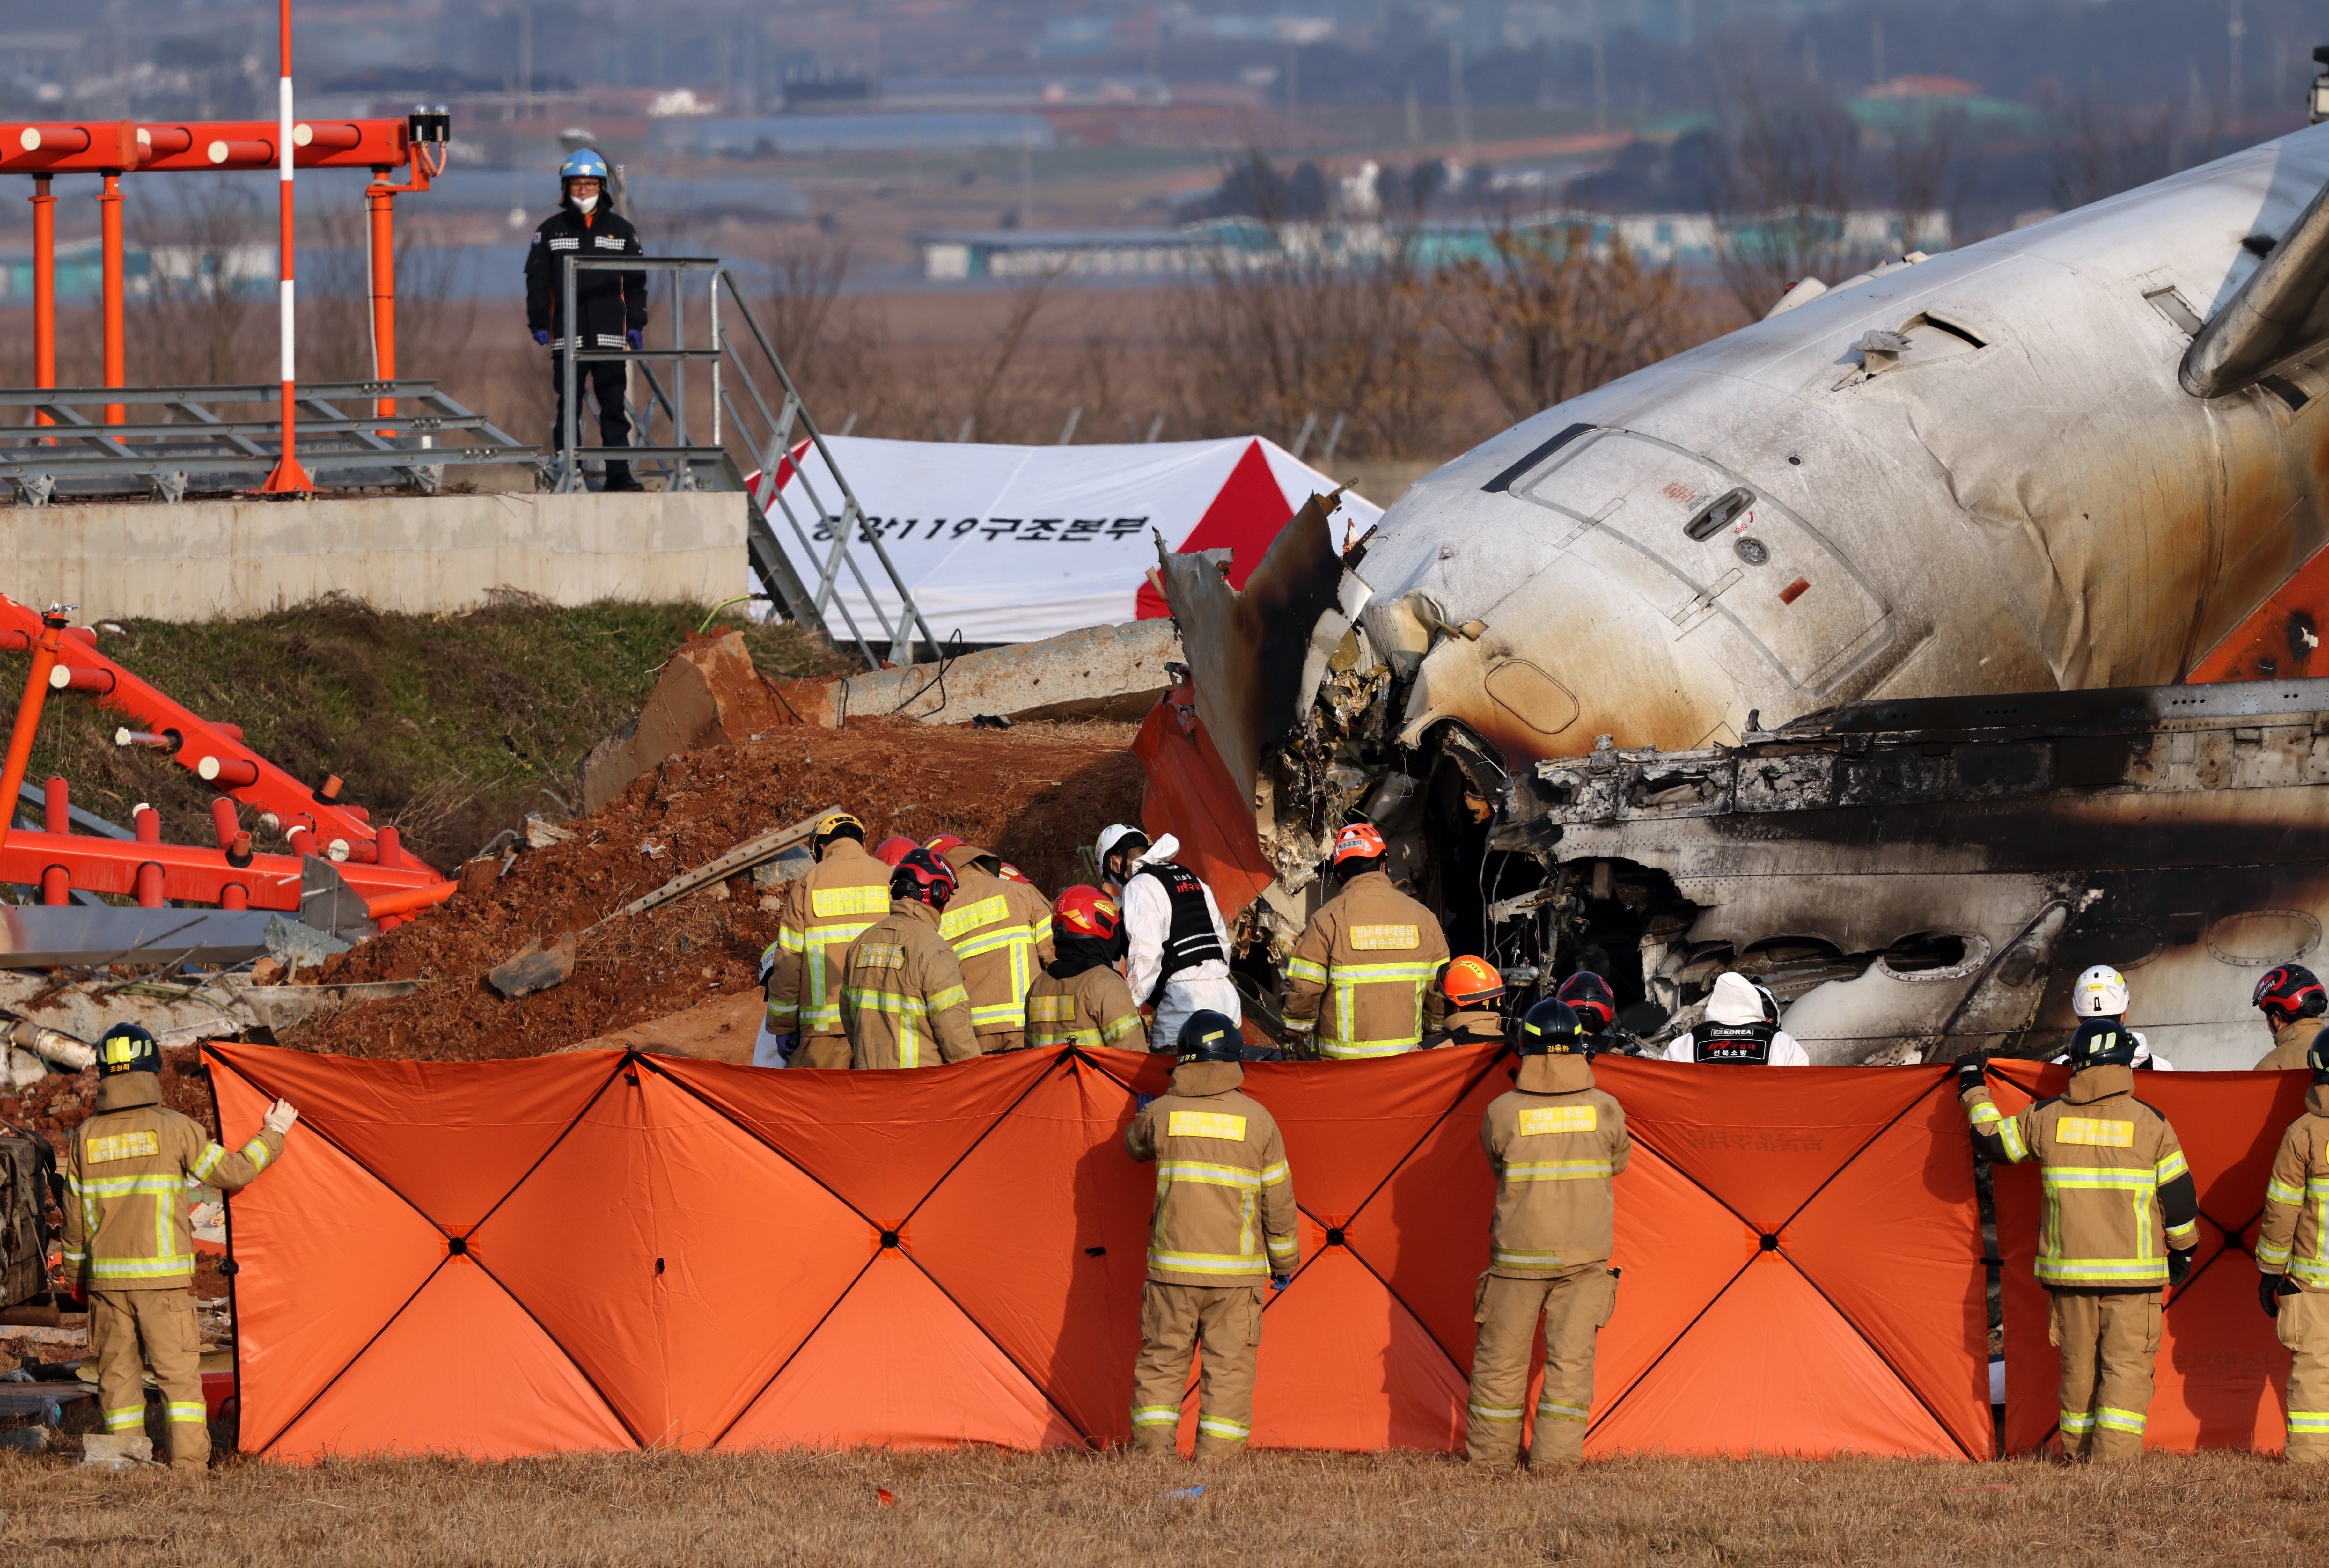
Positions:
(93, 146)
(294, 805)
(187, 874)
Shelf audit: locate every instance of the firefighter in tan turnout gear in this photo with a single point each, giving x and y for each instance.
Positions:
(2121, 1219)
(2292, 1001)
(1221, 1234)
(1079, 999)
(1000, 931)
(830, 907)
(1363, 967)
(1472, 988)
(2293, 1252)
(130, 1247)
(901, 994)
(1556, 1143)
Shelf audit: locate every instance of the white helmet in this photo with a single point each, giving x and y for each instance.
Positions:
(1114, 833)
(2100, 993)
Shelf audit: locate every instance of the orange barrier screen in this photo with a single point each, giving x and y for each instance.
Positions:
(2221, 1374)
(602, 1250)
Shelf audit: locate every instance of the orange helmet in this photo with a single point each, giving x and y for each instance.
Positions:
(1359, 841)
(1086, 912)
(893, 849)
(1470, 982)
(944, 841)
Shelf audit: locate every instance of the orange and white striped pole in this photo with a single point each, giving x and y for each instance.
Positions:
(288, 476)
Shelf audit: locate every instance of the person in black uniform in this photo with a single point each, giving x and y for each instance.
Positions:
(613, 305)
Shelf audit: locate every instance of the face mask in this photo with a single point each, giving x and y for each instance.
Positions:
(588, 203)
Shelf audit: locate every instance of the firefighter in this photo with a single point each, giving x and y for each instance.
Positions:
(2121, 1223)
(1363, 967)
(902, 990)
(2292, 1002)
(1001, 930)
(1472, 988)
(893, 849)
(1177, 951)
(1556, 1143)
(1589, 996)
(1079, 999)
(825, 910)
(1738, 1028)
(1223, 1227)
(2292, 1253)
(613, 305)
(130, 1249)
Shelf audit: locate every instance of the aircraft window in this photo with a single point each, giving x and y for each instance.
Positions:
(2286, 391)
(1717, 516)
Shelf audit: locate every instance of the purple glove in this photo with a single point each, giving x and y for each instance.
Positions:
(636, 338)
(543, 338)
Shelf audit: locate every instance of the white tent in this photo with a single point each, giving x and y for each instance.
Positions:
(1013, 544)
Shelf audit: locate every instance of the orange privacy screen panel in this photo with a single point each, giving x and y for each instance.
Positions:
(2220, 1372)
(597, 1251)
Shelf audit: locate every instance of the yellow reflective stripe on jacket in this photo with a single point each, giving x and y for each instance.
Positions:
(1207, 1262)
(1354, 1050)
(1272, 1174)
(817, 1016)
(1304, 969)
(1555, 1170)
(2309, 1420)
(2168, 1169)
(1987, 1118)
(2111, 1419)
(1283, 1246)
(1216, 1175)
(1110, 1033)
(2281, 1192)
(2075, 1423)
(1301, 1025)
(2072, 1175)
(1499, 1257)
(788, 940)
(2270, 1258)
(2101, 1270)
(967, 917)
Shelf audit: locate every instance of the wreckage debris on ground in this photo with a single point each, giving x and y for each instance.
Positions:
(1035, 794)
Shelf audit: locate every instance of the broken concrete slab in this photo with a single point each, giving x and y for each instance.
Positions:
(1101, 672)
(280, 1007)
(85, 1009)
(709, 694)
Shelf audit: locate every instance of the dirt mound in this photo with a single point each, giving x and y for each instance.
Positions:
(1033, 794)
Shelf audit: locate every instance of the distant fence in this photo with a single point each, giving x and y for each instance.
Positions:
(607, 1252)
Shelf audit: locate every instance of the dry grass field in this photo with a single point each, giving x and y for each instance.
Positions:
(1074, 1510)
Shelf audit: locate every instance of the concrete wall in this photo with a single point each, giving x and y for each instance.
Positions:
(422, 553)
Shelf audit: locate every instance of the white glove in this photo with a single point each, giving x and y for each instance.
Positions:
(280, 1116)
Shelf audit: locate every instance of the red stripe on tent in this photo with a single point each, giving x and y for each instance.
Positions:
(1243, 519)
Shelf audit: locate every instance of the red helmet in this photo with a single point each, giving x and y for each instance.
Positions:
(1086, 912)
(1470, 982)
(923, 876)
(1589, 997)
(893, 849)
(1011, 872)
(1359, 841)
(2291, 991)
(944, 841)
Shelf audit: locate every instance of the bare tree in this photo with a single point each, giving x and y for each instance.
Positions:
(1545, 318)
(1783, 182)
(207, 275)
(2099, 154)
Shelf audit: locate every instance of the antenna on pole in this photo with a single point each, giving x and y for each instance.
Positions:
(288, 476)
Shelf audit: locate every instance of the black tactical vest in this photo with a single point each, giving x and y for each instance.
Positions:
(1190, 940)
(1747, 1043)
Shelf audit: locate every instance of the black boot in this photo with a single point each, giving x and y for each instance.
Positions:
(619, 478)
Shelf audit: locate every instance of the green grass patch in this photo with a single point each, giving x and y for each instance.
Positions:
(449, 726)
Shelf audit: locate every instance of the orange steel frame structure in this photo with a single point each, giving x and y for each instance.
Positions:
(113, 149)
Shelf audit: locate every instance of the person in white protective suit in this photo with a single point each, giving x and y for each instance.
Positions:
(1741, 1026)
(1177, 957)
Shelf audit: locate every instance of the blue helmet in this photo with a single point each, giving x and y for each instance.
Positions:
(585, 165)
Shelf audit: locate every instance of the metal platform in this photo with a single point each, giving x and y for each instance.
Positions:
(170, 438)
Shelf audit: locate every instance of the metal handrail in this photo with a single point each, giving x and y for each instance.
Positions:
(729, 364)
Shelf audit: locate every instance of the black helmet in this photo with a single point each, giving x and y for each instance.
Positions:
(1211, 1036)
(127, 1048)
(2317, 1058)
(1550, 1029)
(2288, 992)
(2102, 1043)
(1590, 995)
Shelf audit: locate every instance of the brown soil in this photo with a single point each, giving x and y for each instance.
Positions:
(1033, 794)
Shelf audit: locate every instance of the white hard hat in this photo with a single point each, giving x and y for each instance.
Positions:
(2100, 993)
(1114, 833)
